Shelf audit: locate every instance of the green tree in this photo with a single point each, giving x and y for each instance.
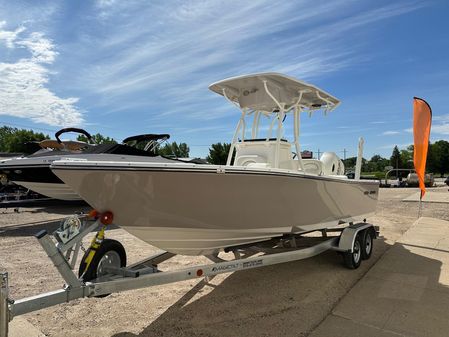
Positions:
(6, 133)
(97, 138)
(350, 162)
(218, 153)
(431, 159)
(377, 163)
(395, 159)
(382, 164)
(14, 140)
(438, 161)
(406, 159)
(174, 149)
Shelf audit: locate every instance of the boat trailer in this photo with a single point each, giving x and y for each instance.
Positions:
(108, 275)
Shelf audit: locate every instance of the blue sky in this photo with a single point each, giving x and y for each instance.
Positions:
(128, 67)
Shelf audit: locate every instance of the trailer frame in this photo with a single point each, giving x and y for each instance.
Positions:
(64, 250)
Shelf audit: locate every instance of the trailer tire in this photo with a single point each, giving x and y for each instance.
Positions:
(111, 253)
(353, 259)
(367, 243)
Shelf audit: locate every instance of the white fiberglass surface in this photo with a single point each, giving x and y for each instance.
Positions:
(165, 208)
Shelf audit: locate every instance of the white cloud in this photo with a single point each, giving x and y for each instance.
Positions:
(41, 48)
(390, 133)
(442, 129)
(105, 3)
(192, 38)
(440, 125)
(391, 146)
(438, 128)
(443, 118)
(9, 36)
(23, 91)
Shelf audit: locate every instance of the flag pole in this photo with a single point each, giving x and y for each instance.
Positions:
(420, 205)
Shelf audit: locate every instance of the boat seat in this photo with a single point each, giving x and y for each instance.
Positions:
(313, 166)
(251, 159)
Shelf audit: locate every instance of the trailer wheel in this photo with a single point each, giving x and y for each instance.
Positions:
(367, 244)
(354, 259)
(110, 254)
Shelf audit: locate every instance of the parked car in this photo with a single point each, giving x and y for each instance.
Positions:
(447, 181)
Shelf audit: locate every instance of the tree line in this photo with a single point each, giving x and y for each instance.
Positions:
(14, 140)
(437, 159)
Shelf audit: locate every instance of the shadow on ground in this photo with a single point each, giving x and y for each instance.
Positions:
(290, 299)
(58, 208)
(405, 294)
(30, 229)
(42, 204)
(285, 299)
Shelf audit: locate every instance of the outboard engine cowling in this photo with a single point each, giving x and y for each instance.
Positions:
(332, 165)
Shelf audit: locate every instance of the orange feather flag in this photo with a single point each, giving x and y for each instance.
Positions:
(422, 120)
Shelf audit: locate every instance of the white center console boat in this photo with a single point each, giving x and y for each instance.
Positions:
(264, 190)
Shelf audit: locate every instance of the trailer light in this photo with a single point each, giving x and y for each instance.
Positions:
(106, 218)
(93, 214)
(199, 272)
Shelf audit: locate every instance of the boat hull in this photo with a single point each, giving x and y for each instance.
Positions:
(40, 179)
(58, 191)
(35, 174)
(199, 210)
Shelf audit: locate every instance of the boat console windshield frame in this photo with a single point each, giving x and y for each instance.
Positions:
(152, 141)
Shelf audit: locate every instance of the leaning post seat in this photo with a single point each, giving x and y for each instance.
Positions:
(261, 153)
(313, 166)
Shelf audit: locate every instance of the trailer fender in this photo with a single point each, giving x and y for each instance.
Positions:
(348, 235)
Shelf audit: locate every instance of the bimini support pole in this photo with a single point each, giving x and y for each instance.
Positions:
(4, 305)
(297, 121)
(281, 115)
(358, 164)
(255, 129)
(237, 129)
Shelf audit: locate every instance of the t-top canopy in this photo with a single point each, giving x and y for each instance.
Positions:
(249, 91)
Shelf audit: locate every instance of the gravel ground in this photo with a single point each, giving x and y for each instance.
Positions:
(290, 299)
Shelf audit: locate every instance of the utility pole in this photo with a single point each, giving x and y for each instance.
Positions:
(318, 155)
(344, 154)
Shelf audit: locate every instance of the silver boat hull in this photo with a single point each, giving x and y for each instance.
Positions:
(51, 190)
(199, 209)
